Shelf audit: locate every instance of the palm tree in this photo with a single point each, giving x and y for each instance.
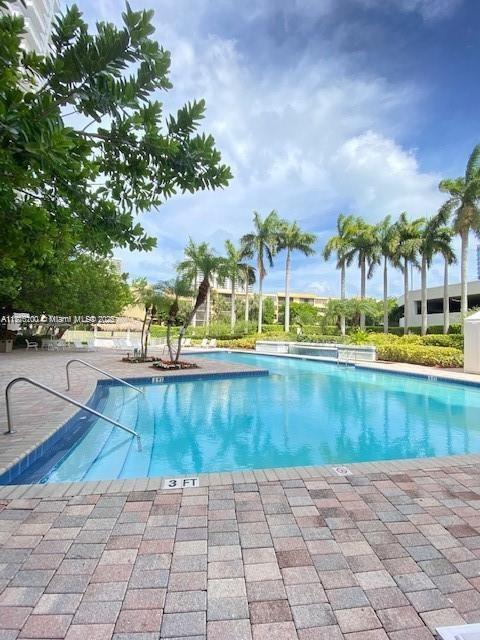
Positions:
(436, 238)
(292, 238)
(207, 264)
(340, 244)
(388, 242)
(463, 203)
(233, 268)
(364, 244)
(263, 243)
(189, 268)
(449, 258)
(409, 241)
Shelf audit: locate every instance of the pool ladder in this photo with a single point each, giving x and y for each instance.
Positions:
(62, 396)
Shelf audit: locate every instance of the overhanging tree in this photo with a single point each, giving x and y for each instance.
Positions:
(85, 145)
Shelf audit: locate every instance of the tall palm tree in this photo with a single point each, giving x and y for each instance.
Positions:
(292, 238)
(340, 245)
(449, 258)
(207, 264)
(365, 246)
(233, 268)
(463, 202)
(435, 239)
(262, 242)
(387, 234)
(409, 241)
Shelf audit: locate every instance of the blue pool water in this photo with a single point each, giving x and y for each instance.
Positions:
(303, 413)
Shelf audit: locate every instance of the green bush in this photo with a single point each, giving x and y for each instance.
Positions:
(421, 354)
(451, 340)
(248, 342)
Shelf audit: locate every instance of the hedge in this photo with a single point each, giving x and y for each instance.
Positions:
(420, 354)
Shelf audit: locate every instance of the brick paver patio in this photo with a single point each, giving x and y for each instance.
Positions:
(366, 557)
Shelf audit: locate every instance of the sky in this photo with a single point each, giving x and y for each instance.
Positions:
(320, 107)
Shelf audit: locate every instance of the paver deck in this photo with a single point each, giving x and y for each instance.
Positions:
(367, 557)
(387, 553)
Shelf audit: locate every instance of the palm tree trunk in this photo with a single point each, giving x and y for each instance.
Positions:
(195, 284)
(385, 294)
(463, 274)
(405, 298)
(142, 337)
(362, 291)
(233, 318)
(287, 292)
(207, 308)
(247, 310)
(424, 296)
(446, 301)
(260, 302)
(342, 297)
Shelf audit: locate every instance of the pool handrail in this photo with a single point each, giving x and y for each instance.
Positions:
(62, 396)
(105, 373)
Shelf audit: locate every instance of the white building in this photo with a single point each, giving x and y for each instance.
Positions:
(38, 15)
(435, 304)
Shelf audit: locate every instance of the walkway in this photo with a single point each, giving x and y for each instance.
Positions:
(367, 557)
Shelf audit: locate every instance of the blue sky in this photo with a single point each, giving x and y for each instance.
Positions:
(319, 107)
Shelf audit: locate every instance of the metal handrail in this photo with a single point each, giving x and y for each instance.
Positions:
(105, 373)
(67, 399)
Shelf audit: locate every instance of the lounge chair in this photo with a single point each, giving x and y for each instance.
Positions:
(31, 344)
(80, 346)
(212, 344)
(187, 342)
(205, 343)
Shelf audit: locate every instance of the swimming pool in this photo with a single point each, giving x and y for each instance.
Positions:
(303, 413)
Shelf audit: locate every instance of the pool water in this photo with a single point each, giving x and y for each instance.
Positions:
(304, 413)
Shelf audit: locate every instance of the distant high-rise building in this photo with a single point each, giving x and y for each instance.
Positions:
(38, 15)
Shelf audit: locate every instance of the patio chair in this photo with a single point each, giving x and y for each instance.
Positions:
(187, 342)
(80, 346)
(204, 343)
(31, 344)
(212, 344)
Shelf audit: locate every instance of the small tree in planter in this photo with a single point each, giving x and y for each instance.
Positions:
(169, 294)
(148, 296)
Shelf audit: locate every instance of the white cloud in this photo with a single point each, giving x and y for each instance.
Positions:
(428, 9)
(306, 137)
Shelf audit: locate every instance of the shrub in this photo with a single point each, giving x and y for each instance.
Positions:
(451, 340)
(421, 354)
(248, 342)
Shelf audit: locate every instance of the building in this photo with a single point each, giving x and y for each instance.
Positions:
(278, 298)
(478, 262)
(38, 15)
(435, 304)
